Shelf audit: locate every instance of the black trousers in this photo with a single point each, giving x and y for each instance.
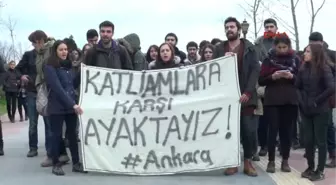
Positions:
(57, 143)
(315, 133)
(331, 138)
(263, 131)
(22, 102)
(11, 98)
(281, 120)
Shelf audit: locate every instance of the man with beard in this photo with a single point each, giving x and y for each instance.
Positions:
(172, 39)
(264, 43)
(193, 57)
(248, 73)
(108, 53)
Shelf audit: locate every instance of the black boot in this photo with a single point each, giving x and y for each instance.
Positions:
(21, 118)
(12, 120)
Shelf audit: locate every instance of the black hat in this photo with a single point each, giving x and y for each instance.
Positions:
(316, 36)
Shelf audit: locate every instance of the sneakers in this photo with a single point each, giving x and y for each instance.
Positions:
(58, 170)
(285, 166)
(255, 157)
(32, 153)
(263, 151)
(47, 162)
(331, 164)
(270, 167)
(316, 176)
(78, 168)
(307, 173)
(64, 159)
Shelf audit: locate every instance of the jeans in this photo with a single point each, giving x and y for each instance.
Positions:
(315, 128)
(57, 144)
(33, 120)
(256, 140)
(248, 131)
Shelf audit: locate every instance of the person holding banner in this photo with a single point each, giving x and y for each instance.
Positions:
(248, 72)
(166, 58)
(207, 52)
(62, 105)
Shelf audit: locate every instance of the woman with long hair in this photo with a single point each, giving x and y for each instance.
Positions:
(277, 74)
(86, 47)
(62, 105)
(316, 84)
(152, 53)
(207, 52)
(166, 58)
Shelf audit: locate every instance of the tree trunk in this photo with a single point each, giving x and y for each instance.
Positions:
(296, 30)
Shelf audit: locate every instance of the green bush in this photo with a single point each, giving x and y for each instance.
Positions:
(2, 102)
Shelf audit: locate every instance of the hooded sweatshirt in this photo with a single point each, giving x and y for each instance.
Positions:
(132, 43)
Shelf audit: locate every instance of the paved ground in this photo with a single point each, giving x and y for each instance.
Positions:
(17, 169)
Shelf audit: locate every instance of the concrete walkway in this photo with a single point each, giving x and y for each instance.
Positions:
(17, 169)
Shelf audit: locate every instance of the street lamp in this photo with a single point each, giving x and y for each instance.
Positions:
(245, 25)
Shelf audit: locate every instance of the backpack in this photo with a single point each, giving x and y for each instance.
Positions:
(42, 99)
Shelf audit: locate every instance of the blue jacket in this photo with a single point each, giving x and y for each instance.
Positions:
(61, 82)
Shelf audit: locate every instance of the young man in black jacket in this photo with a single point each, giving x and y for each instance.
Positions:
(28, 71)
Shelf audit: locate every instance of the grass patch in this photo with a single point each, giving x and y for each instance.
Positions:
(3, 109)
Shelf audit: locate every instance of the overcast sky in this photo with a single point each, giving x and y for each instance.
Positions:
(152, 19)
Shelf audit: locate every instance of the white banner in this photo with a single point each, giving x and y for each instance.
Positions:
(163, 121)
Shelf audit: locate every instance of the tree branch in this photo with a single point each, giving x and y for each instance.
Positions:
(296, 3)
(319, 7)
(314, 14)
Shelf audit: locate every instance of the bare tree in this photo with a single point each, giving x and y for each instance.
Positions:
(314, 14)
(254, 11)
(293, 29)
(10, 25)
(5, 51)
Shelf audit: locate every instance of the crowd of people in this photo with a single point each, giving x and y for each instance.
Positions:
(287, 96)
